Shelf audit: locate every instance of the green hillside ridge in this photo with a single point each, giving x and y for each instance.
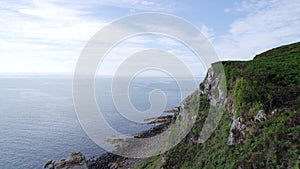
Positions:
(263, 96)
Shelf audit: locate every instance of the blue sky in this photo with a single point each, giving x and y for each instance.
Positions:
(48, 36)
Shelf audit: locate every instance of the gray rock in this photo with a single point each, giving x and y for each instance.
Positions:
(212, 87)
(49, 164)
(237, 132)
(76, 161)
(275, 111)
(215, 88)
(261, 116)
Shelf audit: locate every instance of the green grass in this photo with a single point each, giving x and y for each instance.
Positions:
(150, 163)
(271, 80)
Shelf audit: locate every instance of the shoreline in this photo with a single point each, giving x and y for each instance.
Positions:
(109, 160)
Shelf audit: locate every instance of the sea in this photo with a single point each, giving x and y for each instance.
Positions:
(38, 121)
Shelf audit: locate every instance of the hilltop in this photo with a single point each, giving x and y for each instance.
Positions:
(260, 125)
(258, 102)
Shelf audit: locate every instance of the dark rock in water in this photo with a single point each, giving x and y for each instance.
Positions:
(112, 161)
(50, 164)
(76, 161)
(160, 120)
(105, 161)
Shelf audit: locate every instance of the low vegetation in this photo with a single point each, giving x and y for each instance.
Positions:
(271, 81)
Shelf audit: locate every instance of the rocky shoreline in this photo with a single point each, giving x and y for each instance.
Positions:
(75, 161)
(109, 160)
(113, 161)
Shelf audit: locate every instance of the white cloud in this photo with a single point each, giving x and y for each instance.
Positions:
(208, 32)
(49, 11)
(43, 37)
(48, 36)
(227, 10)
(149, 5)
(136, 44)
(268, 24)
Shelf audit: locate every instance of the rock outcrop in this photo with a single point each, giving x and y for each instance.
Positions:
(260, 125)
(237, 132)
(221, 98)
(212, 87)
(261, 116)
(76, 161)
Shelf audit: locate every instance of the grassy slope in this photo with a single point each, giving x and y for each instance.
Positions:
(271, 80)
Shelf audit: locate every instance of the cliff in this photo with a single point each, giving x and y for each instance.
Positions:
(259, 124)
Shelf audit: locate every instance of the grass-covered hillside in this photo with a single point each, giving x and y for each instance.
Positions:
(270, 85)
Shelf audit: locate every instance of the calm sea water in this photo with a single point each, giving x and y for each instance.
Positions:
(38, 121)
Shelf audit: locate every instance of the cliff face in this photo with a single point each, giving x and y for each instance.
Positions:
(218, 96)
(260, 123)
(212, 88)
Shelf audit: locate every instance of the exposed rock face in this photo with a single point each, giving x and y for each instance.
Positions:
(261, 116)
(212, 87)
(237, 132)
(218, 97)
(239, 127)
(76, 161)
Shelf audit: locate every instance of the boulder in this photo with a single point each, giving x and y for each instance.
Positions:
(260, 116)
(76, 161)
(237, 132)
(49, 164)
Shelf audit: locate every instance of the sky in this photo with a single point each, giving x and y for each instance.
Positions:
(48, 36)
